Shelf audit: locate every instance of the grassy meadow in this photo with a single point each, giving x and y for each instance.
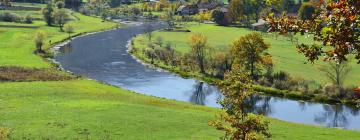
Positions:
(85, 109)
(285, 55)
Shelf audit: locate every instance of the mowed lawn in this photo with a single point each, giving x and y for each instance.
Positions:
(83, 109)
(285, 55)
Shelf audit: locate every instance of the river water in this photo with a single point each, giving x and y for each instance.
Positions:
(103, 56)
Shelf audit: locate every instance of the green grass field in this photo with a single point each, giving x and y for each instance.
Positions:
(285, 55)
(86, 109)
(83, 108)
(17, 43)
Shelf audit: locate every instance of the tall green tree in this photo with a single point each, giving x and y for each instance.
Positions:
(39, 41)
(234, 119)
(249, 51)
(68, 28)
(47, 13)
(236, 10)
(218, 17)
(61, 17)
(198, 44)
(306, 11)
(336, 73)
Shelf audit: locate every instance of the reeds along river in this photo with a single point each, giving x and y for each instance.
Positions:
(103, 56)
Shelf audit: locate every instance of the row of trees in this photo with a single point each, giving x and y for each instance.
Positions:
(246, 11)
(55, 15)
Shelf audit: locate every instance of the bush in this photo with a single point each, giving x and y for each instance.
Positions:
(281, 75)
(10, 17)
(60, 4)
(219, 17)
(4, 133)
(28, 19)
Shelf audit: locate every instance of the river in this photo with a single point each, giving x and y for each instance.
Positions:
(103, 56)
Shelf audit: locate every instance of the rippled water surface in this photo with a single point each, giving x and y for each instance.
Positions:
(103, 56)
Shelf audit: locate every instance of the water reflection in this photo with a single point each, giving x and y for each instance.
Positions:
(67, 48)
(200, 92)
(335, 116)
(259, 105)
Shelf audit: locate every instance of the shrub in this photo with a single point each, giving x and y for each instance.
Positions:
(4, 133)
(60, 4)
(219, 17)
(28, 19)
(10, 17)
(281, 75)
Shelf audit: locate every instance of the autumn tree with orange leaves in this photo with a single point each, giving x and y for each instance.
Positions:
(337, 26)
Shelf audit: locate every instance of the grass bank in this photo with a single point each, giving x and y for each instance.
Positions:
(80, 109)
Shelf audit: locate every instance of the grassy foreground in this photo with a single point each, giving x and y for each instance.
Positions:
(284, 53)
(85, 109)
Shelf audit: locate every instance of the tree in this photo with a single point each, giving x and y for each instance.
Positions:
(337, 73)
(68, 28)
(73, 4)
(114, 3)
(48, 14)
(268, 64)
(150, 52)
(337, 26)
(28, 19)
(287, 5)
(6, 2)
(39, 41)
(60, 4)
(236, 10)
(148, 31)
(249, 51)
(198, 44)
(219, 17)
(159, 41)
(61, 17)
(234, 120)
(169, 18)
(306, 11)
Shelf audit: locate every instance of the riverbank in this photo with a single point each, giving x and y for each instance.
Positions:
(281, 50)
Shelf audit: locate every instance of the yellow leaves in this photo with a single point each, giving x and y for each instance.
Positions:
(197, 40)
